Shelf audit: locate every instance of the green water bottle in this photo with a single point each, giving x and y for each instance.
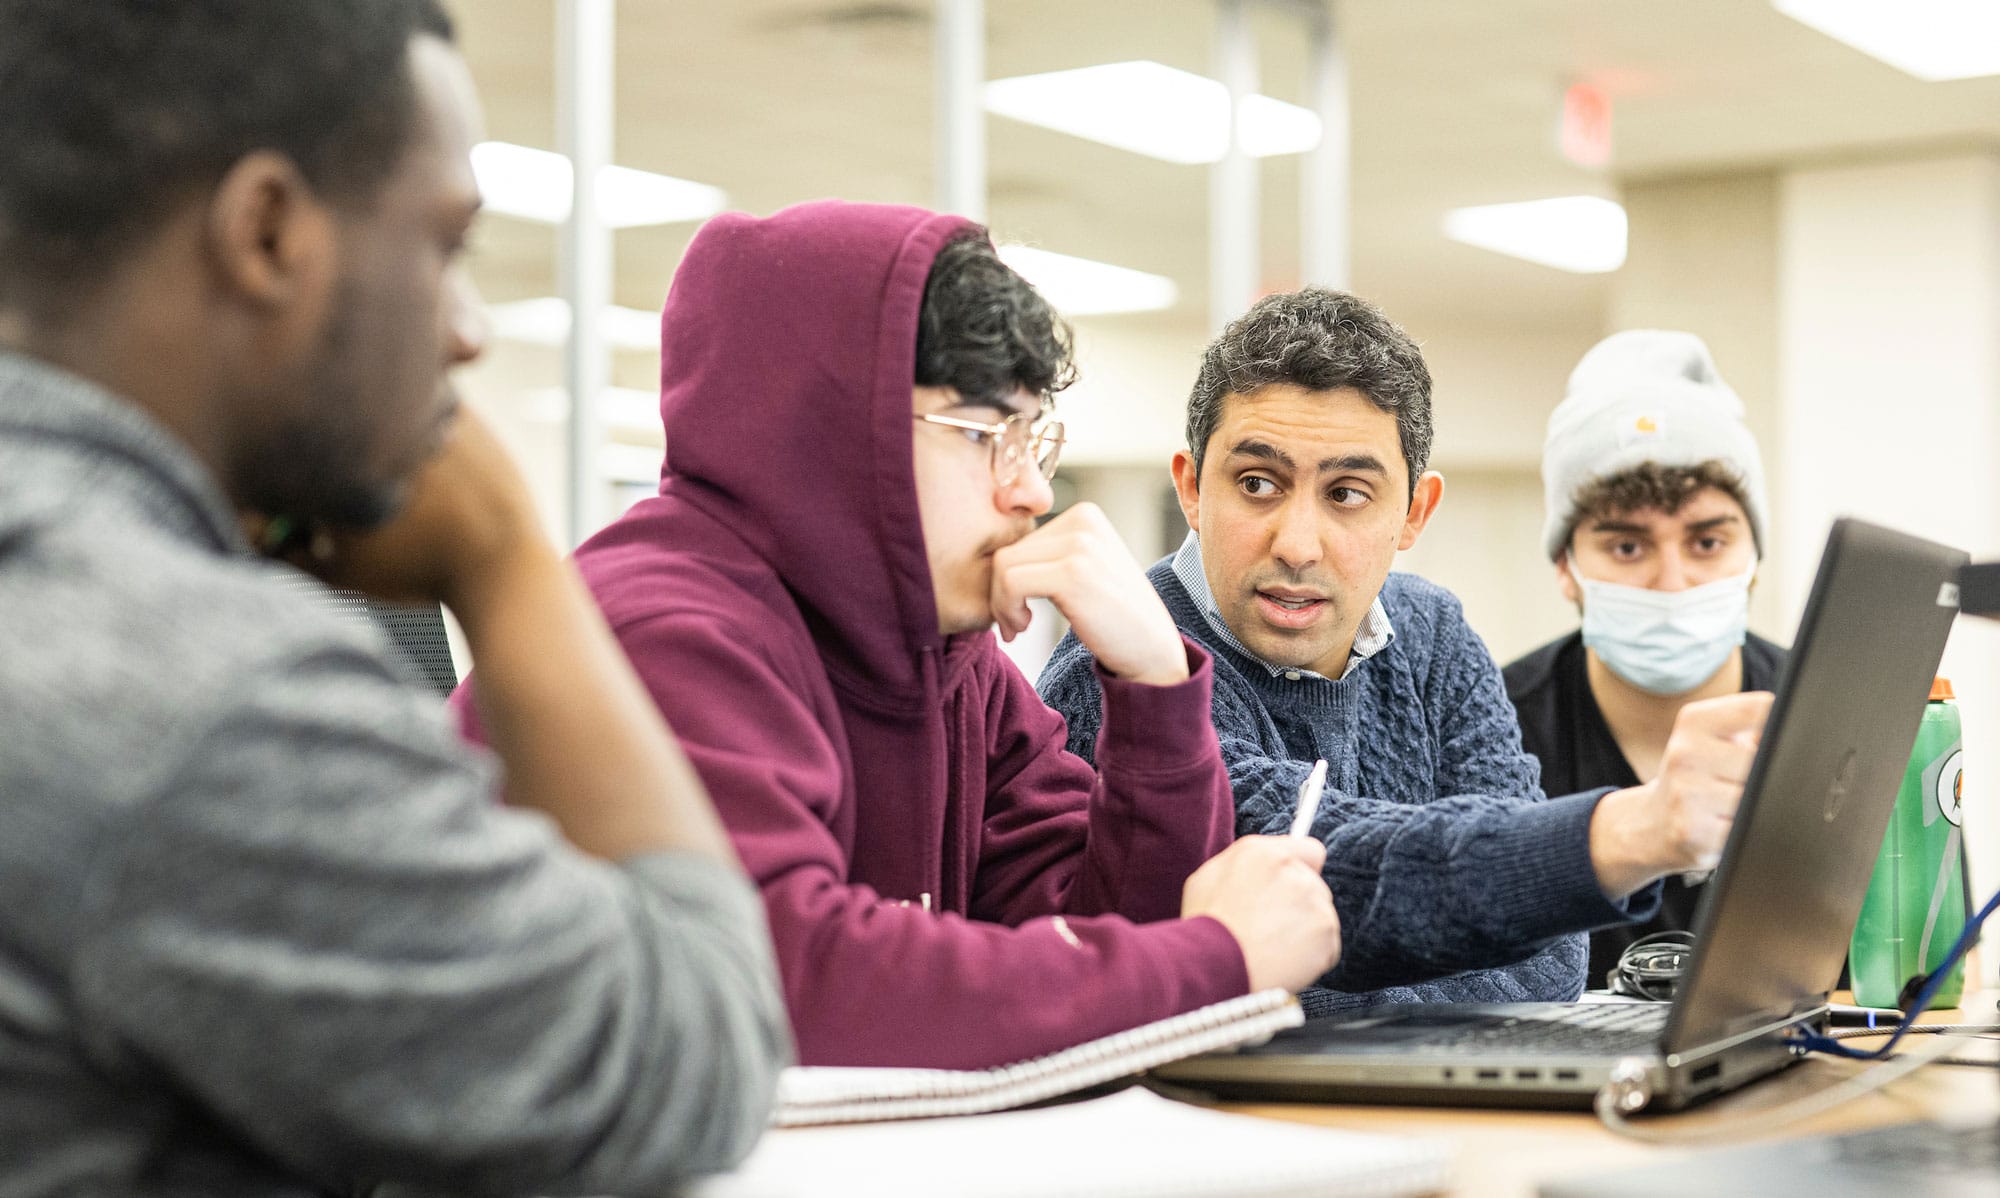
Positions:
(1916, 898)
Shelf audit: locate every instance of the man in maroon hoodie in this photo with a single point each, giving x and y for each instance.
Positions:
(853, 397)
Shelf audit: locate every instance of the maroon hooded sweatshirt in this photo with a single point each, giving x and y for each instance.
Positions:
(947, 885)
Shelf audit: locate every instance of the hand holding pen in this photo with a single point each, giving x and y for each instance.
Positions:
(1267, 890)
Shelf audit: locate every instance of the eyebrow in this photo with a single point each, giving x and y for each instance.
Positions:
(1003, 408)
(1347, 463)
(994, 406)
(1619, 526)
(1031, 405)
(1708, 525)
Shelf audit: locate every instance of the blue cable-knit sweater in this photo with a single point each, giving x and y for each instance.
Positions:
(1455, 879)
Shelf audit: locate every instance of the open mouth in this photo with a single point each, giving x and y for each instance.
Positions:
(1289, 610)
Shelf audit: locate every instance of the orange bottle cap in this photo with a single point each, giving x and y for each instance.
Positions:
(1941, 689)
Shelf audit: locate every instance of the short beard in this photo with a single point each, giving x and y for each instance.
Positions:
(313, 465)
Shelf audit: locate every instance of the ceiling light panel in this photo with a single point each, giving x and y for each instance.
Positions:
(1084, 287)
(1931, 39)
(545, 321)
(535, 185)
(1153, 109)
(1581, 234)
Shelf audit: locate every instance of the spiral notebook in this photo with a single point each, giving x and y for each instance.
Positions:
(817, 1095)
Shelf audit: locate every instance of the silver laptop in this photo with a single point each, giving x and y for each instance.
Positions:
(1773, 924)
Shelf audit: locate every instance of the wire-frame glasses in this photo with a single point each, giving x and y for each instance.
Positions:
(1020, 438)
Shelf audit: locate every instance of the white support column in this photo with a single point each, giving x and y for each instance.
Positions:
(1324, 199)
(585, 36)
(1233, 262)
(959, 123)
(1889, 373)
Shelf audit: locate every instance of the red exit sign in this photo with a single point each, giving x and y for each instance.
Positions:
(1585, 133)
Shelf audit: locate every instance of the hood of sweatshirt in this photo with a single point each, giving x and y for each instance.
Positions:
(787, 359)
(900, 797)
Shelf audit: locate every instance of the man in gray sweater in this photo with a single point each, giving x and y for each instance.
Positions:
(264, 927)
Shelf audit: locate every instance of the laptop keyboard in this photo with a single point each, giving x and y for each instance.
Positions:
(1589, 1028)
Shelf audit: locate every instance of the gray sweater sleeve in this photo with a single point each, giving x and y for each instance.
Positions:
(325, 930)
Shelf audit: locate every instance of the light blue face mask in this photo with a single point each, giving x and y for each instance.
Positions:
(1665, 642)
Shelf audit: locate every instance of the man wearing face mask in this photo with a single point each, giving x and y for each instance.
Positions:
(1656, 521)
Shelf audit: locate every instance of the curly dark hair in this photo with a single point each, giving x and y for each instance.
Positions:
(984, 330)
(116, 110)
(1650, 486)
(1318, 339)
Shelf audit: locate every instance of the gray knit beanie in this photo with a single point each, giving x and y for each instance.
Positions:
(1644, 395)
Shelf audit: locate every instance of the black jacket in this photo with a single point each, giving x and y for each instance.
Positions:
(1562, 727)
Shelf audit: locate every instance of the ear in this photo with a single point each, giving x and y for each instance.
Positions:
(1423, 505)
(1187, 488)
(1566, 581)
(271, 241)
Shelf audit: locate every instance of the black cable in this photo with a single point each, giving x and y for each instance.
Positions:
(1651, 966)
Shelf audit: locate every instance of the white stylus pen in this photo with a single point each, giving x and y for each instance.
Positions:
(1309, 790)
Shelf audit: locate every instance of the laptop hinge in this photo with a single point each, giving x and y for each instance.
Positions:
(1677, 1059)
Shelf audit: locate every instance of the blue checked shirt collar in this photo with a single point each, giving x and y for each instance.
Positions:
(1370, 638)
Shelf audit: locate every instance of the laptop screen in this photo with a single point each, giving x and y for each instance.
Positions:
(1774, 924)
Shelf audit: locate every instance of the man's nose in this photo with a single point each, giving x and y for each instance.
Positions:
(466, 327)
(1673, 572)
(1029, 493)
(1295, 541)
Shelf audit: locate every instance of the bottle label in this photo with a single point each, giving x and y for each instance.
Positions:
(1944, 782)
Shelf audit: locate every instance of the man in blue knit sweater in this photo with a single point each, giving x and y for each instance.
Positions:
(1308, 434)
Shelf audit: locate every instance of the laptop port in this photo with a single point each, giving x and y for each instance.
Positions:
(1489, 1075)
(1567, 1075)
(1707, 1072)
(1527, 1075)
